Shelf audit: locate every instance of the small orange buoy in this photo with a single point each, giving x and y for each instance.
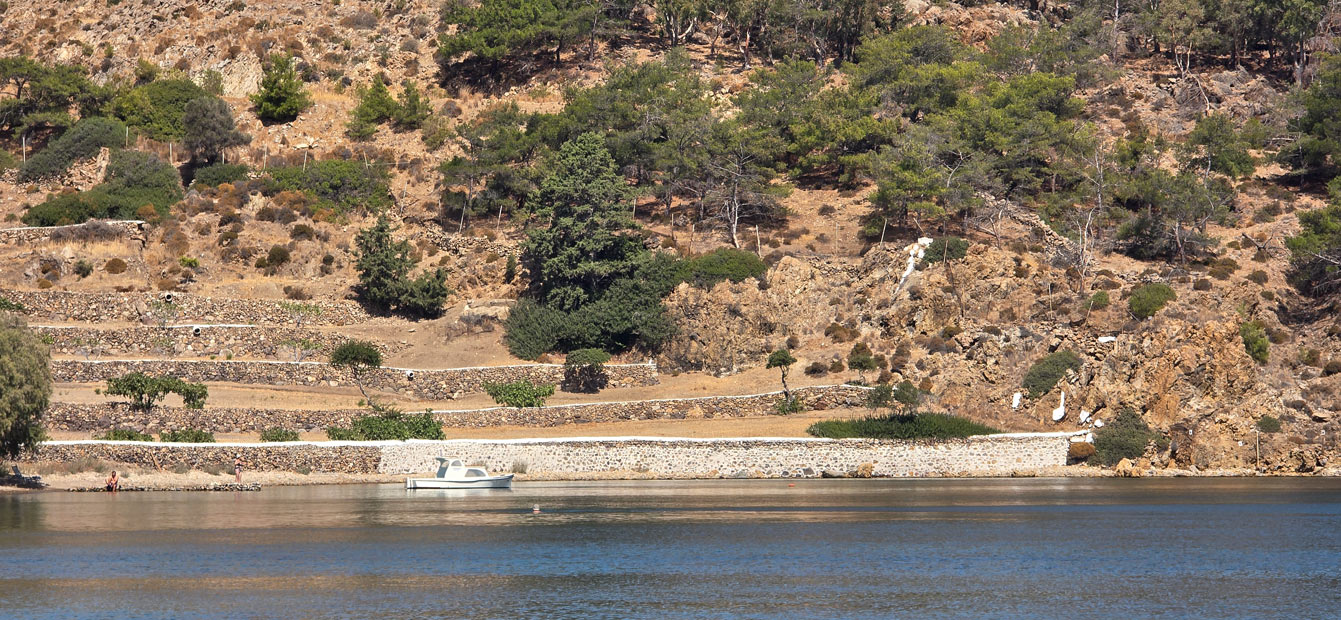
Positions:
(791, 484)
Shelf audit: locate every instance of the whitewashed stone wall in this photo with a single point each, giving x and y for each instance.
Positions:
(993, 455)
(998, 455)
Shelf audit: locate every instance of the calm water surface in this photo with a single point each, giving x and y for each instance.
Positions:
(713, 549)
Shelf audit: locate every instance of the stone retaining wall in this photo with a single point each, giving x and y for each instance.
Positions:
(993, 455)
(743, 458)
(427, 384)
(70, 306)
(191, 341)
(815, 397)
(339, 457)
(106, 416)
(36, 234)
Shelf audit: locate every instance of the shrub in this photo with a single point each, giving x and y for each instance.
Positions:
(278, 255)
(943, 248)
(115, 266)
(187, 435)
(880, 397)
(158, 108)
(519, 394)
(788, 405)
(723, 264)
(339, 184)
(1145, 301)
(124, 434)
(1099, 300)
(584, 371)
(302, 232)
(533, 329)
(146, 390)
(1268, 424)
(81, 142)
(1045, 374)
(1202, 284)
(912, 426)
(1255, 341)
(83, 268)
(215, 175)
(1126, 437)
(1333, 367)
(817, 369)
(12, 306)
(1259, 277)
(388, 424)
(279, 434)
(134, 180)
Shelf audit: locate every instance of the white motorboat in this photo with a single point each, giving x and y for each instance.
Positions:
(453, 474)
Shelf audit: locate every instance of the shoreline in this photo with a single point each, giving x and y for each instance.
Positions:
(199, 481)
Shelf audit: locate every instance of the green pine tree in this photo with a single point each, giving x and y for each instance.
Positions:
(581, 253)
(282, 97)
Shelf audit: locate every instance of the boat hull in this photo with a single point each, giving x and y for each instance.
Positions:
(486, 482)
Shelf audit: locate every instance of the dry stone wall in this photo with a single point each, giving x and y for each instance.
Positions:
(743, 458)
(106, 416)
(427, 384)
(994, 455)
(191, 341)
(70, 306)
(339, 457)
(37, 234)
(815, 397)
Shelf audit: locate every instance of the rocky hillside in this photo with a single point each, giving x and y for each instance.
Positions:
(1050, 264)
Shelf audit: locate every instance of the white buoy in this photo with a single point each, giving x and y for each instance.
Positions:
(1060, 411)
(1015, 402)
(535, 509)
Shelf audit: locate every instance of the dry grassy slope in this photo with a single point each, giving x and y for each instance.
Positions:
(1189, 358)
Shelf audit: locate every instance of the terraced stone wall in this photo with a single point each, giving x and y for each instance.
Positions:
(221, 341)
(70, 306)
(427, 384)
(106, 416)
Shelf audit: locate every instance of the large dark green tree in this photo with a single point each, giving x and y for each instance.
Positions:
(42, 95)
(25, 385)
(586, 245)
(494, 30)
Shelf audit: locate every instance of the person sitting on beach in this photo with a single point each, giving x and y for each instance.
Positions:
(113, 482)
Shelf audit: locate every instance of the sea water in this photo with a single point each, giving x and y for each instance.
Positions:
(998, 548)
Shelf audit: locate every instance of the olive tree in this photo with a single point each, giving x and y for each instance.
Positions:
(25, 386)
(584, 370)
(210, 129)
(358, 356)
(782, 359)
